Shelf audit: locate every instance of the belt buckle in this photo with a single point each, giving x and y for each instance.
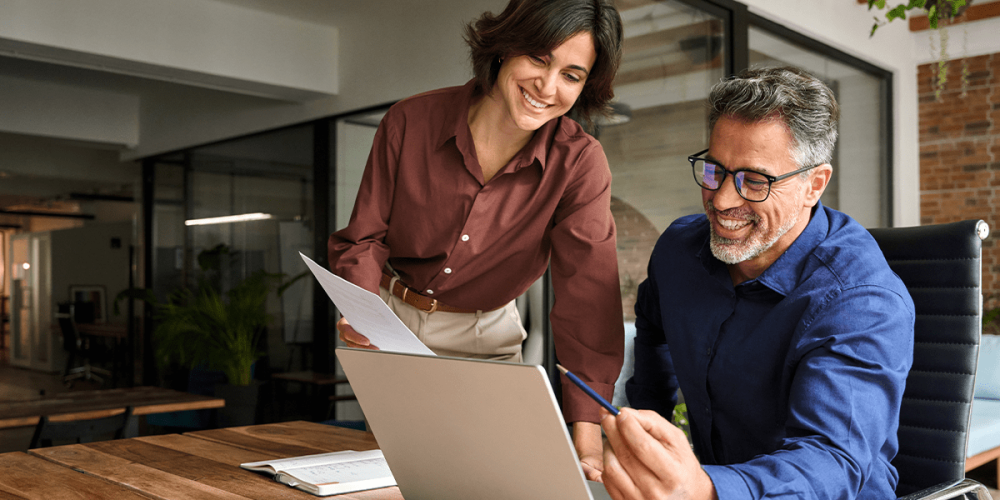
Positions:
(434, 306)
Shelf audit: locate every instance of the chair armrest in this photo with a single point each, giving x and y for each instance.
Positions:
(965, 489)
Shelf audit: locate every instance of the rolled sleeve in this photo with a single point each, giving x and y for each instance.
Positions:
(587, 322)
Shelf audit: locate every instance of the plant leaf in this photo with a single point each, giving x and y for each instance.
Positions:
(897, 12)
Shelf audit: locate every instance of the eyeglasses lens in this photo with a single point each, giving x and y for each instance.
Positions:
(750, 185)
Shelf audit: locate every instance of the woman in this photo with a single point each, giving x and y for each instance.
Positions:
(470, 191)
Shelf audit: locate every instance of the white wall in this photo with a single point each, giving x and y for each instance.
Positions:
(389, 50)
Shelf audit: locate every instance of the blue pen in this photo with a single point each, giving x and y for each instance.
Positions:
(590, 392)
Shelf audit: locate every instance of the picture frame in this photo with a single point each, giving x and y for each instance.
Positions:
(89, 303)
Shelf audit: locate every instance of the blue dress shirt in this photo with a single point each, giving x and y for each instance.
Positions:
(793, 380)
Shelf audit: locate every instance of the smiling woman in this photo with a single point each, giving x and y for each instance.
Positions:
(471, 191)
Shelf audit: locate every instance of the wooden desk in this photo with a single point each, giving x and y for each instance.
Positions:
(195, 465)
(117, 332)
(82, 405)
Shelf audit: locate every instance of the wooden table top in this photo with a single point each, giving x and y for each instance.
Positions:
(194, 465)
(80, 405)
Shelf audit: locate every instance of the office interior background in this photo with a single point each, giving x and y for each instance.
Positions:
(120, 120)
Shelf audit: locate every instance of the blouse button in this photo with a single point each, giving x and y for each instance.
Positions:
(447, 270)
(465, 237)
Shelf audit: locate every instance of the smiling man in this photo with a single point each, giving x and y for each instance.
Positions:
(776, 317)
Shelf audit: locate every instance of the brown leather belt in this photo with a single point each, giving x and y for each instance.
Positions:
(421, 302)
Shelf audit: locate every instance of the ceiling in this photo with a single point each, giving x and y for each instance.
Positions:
(61, 189)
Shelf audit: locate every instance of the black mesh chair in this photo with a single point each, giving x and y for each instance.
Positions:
(50, 429)
(941, 266)
(81, 353)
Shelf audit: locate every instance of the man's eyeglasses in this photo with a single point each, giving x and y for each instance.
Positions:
(750, 185)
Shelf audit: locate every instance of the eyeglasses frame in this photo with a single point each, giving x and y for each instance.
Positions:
(770, 178)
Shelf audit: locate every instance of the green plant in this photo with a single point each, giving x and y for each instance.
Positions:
(205, 328)
(208, 328)
(936, 10)
(680, 418)
(939, 14)
(990, 323)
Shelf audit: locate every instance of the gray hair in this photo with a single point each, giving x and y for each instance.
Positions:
(803, 103)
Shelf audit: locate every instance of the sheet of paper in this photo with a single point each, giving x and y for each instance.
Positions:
(367, 313)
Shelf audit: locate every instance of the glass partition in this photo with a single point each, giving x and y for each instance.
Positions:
(859, 186)
(673, 54)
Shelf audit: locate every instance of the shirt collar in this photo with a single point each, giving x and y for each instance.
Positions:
(456, 126)
(783, 275)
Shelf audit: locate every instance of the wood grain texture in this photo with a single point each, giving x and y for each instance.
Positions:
(23, 476)
(289, 439)
(186, 467)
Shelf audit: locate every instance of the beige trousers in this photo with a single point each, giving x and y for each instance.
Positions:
(495, 335)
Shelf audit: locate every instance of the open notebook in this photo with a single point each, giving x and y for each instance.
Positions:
(454, 428)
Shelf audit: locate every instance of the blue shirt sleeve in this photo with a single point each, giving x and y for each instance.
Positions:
(851, 362)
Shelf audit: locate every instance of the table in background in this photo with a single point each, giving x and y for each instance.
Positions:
(199, 464)
(83, 405)
(319, 391)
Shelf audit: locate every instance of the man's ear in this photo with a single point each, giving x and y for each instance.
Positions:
(819, 178)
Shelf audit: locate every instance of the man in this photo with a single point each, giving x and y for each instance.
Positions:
(777, 318)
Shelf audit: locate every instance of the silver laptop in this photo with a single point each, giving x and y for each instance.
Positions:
(454, 428)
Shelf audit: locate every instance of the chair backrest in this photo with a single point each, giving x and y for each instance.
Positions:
(81, 431)
(941, 266)
(68, 327)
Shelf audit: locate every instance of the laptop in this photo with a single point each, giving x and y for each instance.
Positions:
(454, 428)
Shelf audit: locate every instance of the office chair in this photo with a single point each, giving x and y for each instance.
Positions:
(79, 349)
(941, 266)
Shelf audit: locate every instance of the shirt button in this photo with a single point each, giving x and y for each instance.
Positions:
(465, 237)
(430, 292)
(447, 270)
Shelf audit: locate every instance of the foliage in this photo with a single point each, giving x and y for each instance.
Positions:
(938, 13)
(209, 328)
(991, 325)
(680, 418)
(936, 10)
(205, 329)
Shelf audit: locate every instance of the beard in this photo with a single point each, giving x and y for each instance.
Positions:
(760, 239)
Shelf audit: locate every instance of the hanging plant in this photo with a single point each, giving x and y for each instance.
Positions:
(939, 14)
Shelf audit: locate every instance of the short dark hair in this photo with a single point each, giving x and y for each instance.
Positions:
(804, 104)
(535, 27)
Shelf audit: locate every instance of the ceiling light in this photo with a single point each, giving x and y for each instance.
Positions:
(228, 219)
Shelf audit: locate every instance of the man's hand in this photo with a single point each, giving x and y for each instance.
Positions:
(587, 441)
(647, 457)
(351, 337)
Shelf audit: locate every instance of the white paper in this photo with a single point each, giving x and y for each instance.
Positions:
(367, 313)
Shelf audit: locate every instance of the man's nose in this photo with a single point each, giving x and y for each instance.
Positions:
(726, 196)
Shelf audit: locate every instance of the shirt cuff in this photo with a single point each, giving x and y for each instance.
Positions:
(728, 483)
(578, 406)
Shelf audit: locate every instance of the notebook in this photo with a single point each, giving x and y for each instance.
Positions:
(453, 428)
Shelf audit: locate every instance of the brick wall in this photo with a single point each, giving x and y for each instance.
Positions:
(960, 154)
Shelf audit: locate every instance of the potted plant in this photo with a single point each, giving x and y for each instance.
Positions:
(209, 328)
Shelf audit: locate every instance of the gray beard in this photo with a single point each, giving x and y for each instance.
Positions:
(735, 251)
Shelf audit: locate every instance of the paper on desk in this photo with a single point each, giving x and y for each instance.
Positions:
(367, 313)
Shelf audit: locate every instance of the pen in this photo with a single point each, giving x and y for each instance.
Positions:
(590, 392)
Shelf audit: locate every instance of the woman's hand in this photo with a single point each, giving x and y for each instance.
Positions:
(590, 449)
(351, 337)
